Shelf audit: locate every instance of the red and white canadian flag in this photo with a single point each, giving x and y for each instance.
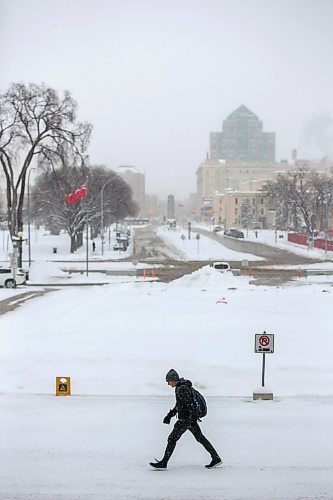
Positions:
(80, 192)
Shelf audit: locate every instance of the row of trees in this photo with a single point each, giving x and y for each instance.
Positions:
(301, 199)
(40, 126)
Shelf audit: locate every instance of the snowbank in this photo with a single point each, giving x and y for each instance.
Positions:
(209, 278)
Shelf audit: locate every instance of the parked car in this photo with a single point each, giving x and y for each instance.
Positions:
(10, 278)
(120, 245)
(24, 271)
(222, 266)
(216, 229)
(235, 233)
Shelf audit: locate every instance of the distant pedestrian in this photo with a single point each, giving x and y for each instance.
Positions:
(93, 246)
(256, 233)
(187, 421)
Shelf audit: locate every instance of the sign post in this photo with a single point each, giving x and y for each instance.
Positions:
(263, 344)
(198, 238)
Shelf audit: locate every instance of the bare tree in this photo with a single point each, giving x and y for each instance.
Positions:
(49, 205)
(304, 194)
(35, 122)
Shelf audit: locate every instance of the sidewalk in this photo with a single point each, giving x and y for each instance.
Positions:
(89, 447)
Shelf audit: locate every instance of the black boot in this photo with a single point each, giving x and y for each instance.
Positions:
(214, 463)
(159, 465)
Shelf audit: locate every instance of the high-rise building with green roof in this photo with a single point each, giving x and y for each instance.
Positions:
(242, 138)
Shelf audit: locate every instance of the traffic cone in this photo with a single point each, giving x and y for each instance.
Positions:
(144, 274)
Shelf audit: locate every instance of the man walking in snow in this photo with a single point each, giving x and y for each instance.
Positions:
(186, 421)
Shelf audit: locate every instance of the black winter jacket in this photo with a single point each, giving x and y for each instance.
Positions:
(184, 401)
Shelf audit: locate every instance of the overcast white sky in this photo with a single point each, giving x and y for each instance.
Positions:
(154, 77)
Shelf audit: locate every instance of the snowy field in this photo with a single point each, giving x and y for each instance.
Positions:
(43, 244)
(117, 341)
(48, 267)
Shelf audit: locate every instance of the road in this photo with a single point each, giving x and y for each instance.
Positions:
(13, 302)
(271, 254)
(150, 248)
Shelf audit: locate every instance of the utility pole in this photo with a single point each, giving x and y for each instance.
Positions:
(29, 233)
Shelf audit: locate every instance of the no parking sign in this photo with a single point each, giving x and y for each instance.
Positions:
(264, 343)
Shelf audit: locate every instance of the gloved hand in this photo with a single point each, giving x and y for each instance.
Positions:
(167, 418)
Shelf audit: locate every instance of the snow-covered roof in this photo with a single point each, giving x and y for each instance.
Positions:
(128, 168)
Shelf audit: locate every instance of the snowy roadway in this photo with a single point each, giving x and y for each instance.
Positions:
(95, 448)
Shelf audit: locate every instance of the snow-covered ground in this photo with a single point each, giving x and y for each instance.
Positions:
(141, 328)
(117, 341)
(94, 448)
(43, 244)
(48, 267)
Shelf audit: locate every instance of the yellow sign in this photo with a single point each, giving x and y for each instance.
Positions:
(63, 386)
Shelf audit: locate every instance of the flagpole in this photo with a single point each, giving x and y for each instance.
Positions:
(87, 232)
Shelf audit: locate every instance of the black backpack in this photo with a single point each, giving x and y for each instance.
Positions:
(200, 406)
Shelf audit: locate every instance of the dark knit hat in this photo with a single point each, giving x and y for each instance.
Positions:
(172, 375)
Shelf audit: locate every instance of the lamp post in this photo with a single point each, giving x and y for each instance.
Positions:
(29, 238)
(325, 199)
(87, 229)
(326, 223)
(102, 214)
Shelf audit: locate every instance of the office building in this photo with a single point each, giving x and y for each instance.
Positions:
(242, 138)
(136, 180)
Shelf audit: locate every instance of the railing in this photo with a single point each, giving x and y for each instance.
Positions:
(303, 239)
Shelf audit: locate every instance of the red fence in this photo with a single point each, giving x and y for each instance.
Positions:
(303, 239)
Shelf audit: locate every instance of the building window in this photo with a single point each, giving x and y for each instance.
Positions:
(236, 201)
(236, 211)
(262, 211)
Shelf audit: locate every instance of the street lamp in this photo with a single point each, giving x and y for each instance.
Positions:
(326, 223)
(29, 238)
(102, 214)
(325, 200)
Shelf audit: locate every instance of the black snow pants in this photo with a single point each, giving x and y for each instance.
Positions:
(182, 426)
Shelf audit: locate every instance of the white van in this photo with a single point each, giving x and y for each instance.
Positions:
(10, 278)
